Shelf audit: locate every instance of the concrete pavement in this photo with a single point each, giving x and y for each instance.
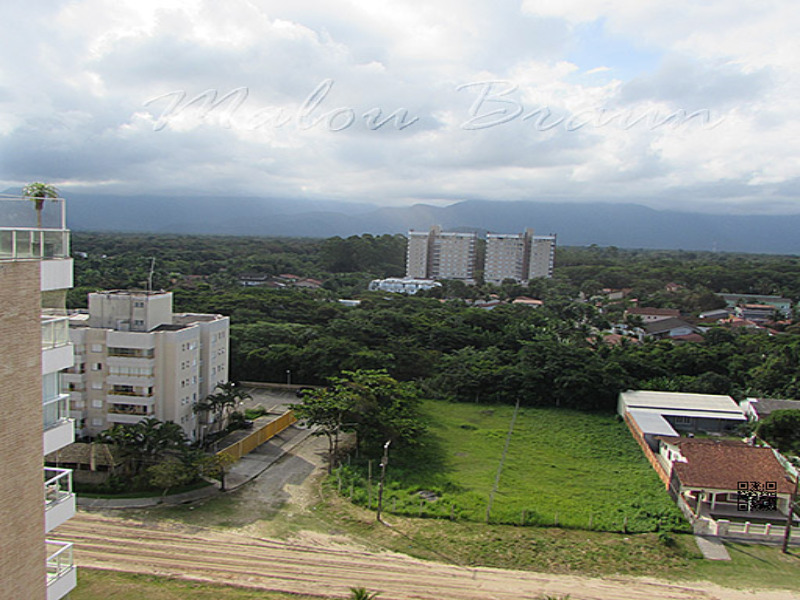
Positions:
(246, 469)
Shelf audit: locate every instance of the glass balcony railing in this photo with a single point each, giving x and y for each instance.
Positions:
(57, 485)
(55, 331)
(56, 410)
(31, 231)
(59, 560)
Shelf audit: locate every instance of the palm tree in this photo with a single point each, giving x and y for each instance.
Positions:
(38, 192)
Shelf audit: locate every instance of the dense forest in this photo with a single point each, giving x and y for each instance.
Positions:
(549, 356)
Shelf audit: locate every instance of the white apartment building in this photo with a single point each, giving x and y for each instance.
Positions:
(35, 272)
(441, 255)
(135, 358)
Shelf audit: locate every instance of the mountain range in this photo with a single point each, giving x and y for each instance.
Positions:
(604, 224)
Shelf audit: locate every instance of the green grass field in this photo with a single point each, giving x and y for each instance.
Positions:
(579, 470)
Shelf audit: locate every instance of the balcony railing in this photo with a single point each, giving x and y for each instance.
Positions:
(56, 410)
(26, 233)
(57, 485)
(59, 560)
(55, 331)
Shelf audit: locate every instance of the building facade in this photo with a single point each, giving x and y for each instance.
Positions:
(135, 358)
(519, 256)
(439, 254)
(35, 272)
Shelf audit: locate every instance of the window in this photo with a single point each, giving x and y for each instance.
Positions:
(97, 347)
(138, 304)
(97, 422)
(138, 323)
(97, 367)
(97, 385)
(97, 404)
(683, 420)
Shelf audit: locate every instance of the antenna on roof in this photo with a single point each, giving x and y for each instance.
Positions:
(150, 276)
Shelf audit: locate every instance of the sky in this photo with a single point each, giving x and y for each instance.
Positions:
(674, 104)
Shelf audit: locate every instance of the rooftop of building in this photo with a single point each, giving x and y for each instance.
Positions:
(725, 464)
(682, 402)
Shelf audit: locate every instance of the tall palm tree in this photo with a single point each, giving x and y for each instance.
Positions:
(39, 192)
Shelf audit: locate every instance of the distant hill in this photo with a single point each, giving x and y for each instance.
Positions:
(622, 225)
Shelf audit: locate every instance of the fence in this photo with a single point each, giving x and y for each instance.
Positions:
(246, 445)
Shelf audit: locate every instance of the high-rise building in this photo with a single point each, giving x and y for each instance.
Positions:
(35, 273)
(541, 257)
(135, 358)
(447, 255)
(441, 255)
(506, 257)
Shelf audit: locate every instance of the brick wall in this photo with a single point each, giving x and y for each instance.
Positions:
(22, 550)
(639, 437)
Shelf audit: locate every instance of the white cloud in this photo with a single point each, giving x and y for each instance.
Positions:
(76, 109)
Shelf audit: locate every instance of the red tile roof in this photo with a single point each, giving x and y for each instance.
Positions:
(722, 464)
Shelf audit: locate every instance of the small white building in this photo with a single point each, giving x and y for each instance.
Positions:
(405, 285)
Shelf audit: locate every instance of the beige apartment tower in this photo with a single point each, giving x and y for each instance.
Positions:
(519, 256)
(35, 272)
(441, 255)
(447, 255)
(135, 358)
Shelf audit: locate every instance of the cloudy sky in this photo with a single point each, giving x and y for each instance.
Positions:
(683, 104)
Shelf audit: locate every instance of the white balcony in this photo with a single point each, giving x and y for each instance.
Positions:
(59, 500)
(56, 274)
(131, 361)
(120, 398)
(126, 419)
(61, 575)
(134, 380)
(61, 433)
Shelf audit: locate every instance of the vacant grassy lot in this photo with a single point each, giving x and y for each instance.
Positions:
(111, 585)
(574, 469)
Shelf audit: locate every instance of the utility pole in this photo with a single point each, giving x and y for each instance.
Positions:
(384, 462)
(788, 531)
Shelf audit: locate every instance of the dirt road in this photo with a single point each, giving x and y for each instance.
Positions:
(206, 555)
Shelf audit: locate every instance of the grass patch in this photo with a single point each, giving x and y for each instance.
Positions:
(94, 584)
(574, 469)
(564, 551)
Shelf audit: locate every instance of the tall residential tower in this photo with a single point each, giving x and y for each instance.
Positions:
(35, 273)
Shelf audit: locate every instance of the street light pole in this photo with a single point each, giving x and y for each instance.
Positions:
(288, 377)
(788, 530)
(384, 462)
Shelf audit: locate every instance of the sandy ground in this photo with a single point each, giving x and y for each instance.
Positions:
(329, 565)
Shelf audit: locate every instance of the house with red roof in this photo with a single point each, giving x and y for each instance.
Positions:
(726, 479)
